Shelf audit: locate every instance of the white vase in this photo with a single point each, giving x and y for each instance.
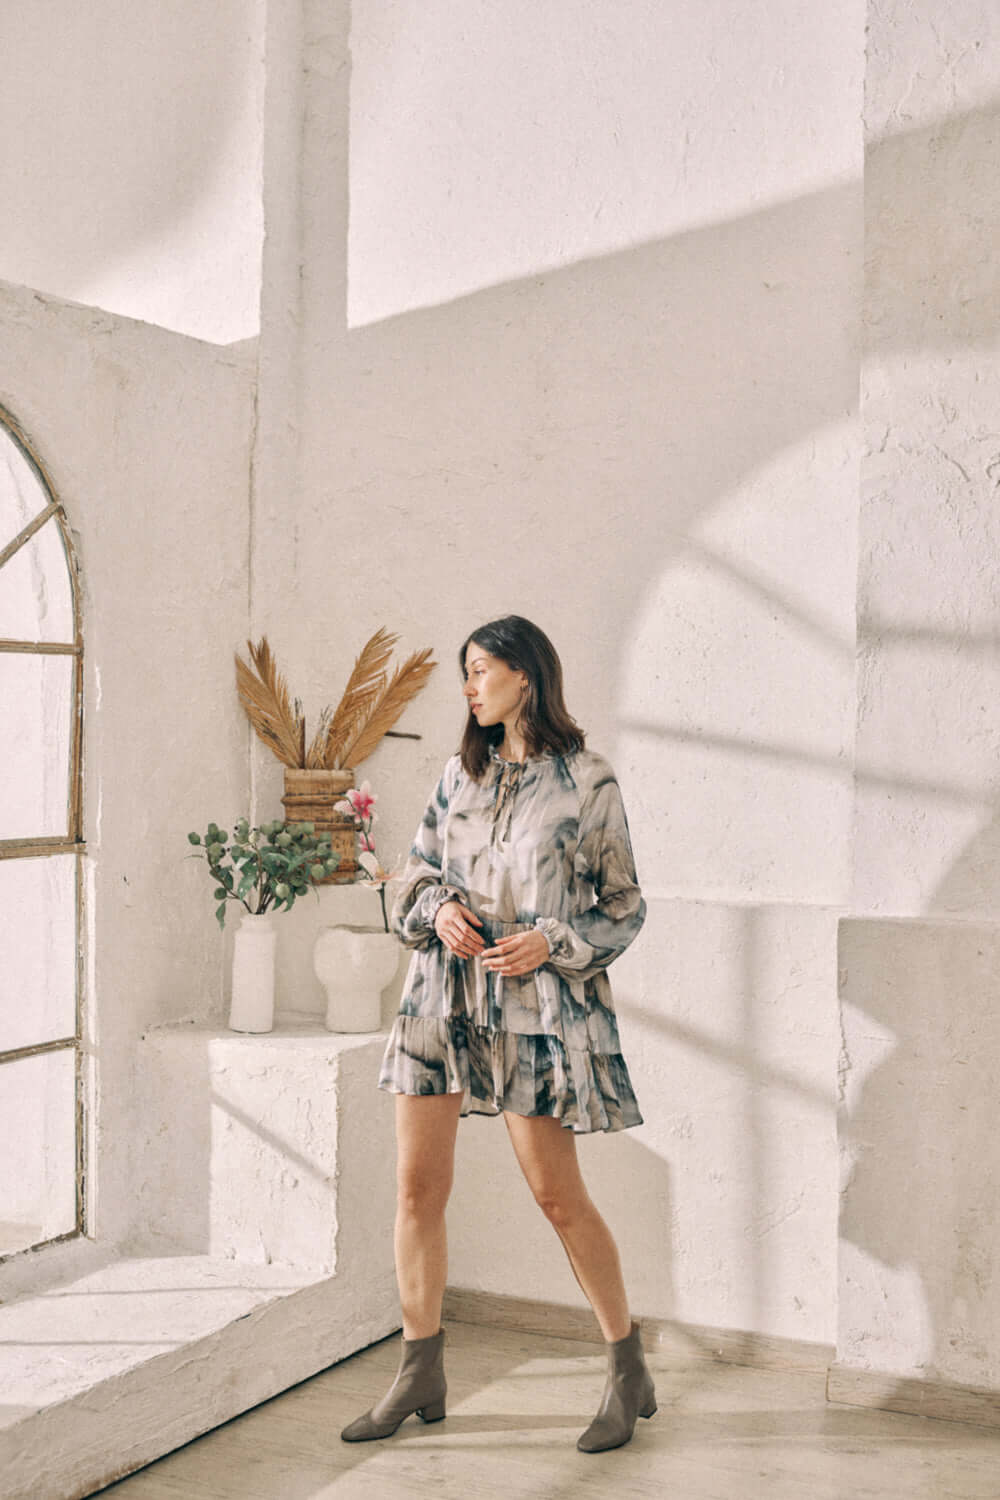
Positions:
(251, 1005)
(354, 965)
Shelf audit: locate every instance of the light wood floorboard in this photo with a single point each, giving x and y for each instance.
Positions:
(516, 1404)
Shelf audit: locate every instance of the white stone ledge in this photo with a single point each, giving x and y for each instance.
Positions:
(239, 1141)
(263, 1166)
(105, 1372)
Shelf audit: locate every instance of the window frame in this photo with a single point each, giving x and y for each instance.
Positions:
(73, 842)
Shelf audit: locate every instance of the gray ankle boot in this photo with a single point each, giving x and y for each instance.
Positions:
(628, 1393)
(419, 1387)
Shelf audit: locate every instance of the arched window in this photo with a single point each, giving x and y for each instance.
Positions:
(41, 849)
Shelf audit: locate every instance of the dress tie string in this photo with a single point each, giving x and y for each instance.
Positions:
(507, 784)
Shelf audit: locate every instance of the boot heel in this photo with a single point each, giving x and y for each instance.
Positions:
(649, 1408)
(433, 1412)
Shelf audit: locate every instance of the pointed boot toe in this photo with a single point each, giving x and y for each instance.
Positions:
(419, 1387)
(628, 1394)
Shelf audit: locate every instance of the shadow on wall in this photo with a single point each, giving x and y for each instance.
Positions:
(917, 1114)
(132, 173)
(550, 444)
(929, 650)
(544, 446)
(721, 1214)
(540, 434)
(923, 1194)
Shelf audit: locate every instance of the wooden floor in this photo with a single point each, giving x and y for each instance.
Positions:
(516, 1404)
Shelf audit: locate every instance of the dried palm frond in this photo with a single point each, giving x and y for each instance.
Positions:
(364, 687)
(317, 745)
(264, 695)
(404, 684)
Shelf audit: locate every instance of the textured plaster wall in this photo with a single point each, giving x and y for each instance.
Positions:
(494, 143)
(131, 174)
(918, 1264)
(918, 1260)
(622, 403)
(563, 319)
(264, 1149)
(146, 436)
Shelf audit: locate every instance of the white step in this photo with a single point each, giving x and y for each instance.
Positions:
(262, 1254)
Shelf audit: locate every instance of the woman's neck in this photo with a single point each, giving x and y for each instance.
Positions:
(512, 746)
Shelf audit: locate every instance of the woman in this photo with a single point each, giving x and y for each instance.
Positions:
(519, 892)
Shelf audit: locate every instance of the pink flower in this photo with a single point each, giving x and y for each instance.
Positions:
(362, 800)
(366, 843)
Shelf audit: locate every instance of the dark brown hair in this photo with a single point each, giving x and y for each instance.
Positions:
(545, 720)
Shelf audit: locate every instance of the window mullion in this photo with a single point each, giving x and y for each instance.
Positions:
(34, 525)
(43, 648)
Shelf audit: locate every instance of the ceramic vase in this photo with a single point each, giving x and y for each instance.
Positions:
(354, 965)
(251, 1006)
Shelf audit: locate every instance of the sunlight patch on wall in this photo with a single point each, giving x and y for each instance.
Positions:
(490, 143)
(737, 712)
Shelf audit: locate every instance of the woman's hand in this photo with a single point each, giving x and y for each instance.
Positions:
(521, 954)
(452, 925)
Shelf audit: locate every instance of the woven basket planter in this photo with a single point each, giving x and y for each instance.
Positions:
(310, 797)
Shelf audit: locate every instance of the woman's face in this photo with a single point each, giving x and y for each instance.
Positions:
(493, 690)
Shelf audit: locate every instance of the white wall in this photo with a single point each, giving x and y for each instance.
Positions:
(562, 318)
(918, 1258)
(490, 143)
(628, 416)
(131, 172)
(146, 437)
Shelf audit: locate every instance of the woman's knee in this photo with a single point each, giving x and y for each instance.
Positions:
(562, 1206)
(421, 1191)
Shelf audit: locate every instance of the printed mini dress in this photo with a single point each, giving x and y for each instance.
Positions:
(541, 843)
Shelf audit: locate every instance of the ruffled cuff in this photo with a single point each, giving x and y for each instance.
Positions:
(566, 948)
(430, 902)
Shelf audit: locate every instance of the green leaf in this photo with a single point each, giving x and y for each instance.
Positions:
(221, 893)
(194, 838)
(220, 914)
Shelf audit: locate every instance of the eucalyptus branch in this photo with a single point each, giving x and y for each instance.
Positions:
(268, 866)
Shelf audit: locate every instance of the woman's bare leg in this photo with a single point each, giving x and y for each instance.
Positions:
(546, 1152)
(426, 1126)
